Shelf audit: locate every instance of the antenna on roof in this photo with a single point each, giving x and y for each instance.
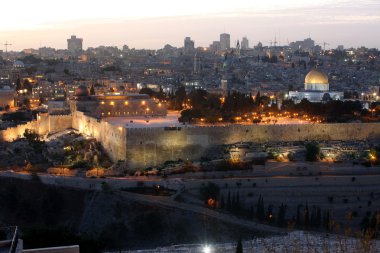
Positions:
(6, 44)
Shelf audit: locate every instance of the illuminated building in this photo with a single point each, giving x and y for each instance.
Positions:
(116, 105)
(317, 89)
(6, 96)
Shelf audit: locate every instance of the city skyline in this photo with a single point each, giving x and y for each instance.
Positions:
(169, 22)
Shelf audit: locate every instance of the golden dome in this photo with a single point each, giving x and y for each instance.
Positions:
(316, 77)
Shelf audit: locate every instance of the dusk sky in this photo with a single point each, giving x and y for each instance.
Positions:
(154, 23)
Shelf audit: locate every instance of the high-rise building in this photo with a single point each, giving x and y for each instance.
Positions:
(225, 41)
(188, 45)
(244, 43)
(74, 45)
(215, 46)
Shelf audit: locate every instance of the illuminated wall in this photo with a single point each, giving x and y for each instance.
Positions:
(113, 138)
(153, 146)
(145, 147)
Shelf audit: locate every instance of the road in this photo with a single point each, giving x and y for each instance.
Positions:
(165, 202)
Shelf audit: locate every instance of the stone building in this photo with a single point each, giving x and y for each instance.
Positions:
(101, 106)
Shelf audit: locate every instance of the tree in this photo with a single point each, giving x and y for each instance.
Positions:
(222, 203)
(147, 91)
(326, 97)
(281, 215)
(92, 90)
(260, 209)
(26, 102)
(179, 98)
(312, 151)
(42, 100)
(34, 140)
(31, 136)
(229, 204)
(28, 86)
(239, 246)
(19, 86)
(306, 216)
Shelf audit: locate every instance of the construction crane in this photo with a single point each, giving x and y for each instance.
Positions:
(6, 44)
(275, 41)
(324, 45)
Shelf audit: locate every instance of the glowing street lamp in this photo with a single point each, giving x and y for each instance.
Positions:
(206, 249)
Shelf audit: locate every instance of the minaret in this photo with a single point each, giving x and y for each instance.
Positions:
(195, 70)
(238, 49)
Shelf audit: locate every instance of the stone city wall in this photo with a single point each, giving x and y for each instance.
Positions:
(113, 138)
(43, 125)
(153, 146)
(144, 147)
(40, 126)
(13, 133)
(58, 123)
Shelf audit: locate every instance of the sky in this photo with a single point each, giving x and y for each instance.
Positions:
(154, 23)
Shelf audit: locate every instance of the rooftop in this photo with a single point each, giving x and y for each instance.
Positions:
(171, 120)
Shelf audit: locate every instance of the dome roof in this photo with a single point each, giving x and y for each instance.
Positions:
(316, 77)
(82, 91)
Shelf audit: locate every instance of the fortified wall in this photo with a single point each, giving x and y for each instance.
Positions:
(153, 146)
(43, 125)
(144, 147)
(113, 138)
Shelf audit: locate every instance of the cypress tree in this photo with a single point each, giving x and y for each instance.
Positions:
(313, 217)
(239, 246)
(92, 90)
(306, 216)
(233, 206)
(238, 207)
(260, 209)
(229, 201)
(299, 221)
(222, 204)
(281, 215)
(319, 216)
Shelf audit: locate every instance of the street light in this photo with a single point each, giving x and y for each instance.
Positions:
(206, 249)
